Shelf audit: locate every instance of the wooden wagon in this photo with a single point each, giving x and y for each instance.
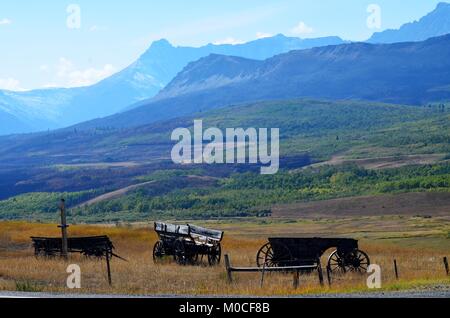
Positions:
(281, 252)
(95, 246)
(187, 244)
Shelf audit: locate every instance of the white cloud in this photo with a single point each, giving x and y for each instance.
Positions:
(229, 40)
(72, 77)
(5, 21)
(10, 84)
(262, 35)
(301, 28)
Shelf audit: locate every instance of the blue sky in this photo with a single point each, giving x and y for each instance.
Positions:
(38, 49)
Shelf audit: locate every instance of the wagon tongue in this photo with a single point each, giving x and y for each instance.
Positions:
(119, 257)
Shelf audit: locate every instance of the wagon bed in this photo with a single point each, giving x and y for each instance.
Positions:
(187, 244)
(94, 246)
(281, 252)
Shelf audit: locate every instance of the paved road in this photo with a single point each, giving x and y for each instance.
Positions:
(445, 293)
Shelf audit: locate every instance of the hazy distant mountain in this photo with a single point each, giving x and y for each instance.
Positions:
(9, 123)
(434, 24)
(54, 108)
(407, 73)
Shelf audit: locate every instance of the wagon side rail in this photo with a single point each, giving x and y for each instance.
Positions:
(187, 231)
(171, 229)
(209, 234)
(309, 249)
(90, 246)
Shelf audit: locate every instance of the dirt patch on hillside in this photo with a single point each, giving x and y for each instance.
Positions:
(114, 194)
(411, 204)
(385, 162)
(194, 181)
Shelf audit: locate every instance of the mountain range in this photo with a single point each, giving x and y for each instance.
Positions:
(39, 110)
(131, 88)
(412, 73)
(434, 24)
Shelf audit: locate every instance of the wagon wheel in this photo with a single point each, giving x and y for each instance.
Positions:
(158, 252)
(267, 257)
(336, 263)
(357, 261)
(354, 261)
(262, 253)
(214, 255)
(180, 253)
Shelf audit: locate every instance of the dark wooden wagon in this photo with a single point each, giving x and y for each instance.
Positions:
(187, 244)
(95, 246)
(346, 257)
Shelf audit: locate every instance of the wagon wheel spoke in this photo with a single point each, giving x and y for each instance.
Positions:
(364, 261)
(180, 253)
(158, 251)
(357, 261)
(262, 256)
(270, 264)
(273, 255)
(215, 254)
(335, 267)
(334, 261)
(336, 264)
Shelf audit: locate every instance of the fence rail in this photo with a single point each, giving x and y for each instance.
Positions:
(293, 269)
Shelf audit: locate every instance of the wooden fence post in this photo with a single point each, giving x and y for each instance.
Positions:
(320, 272)
(329, 275)
(108, 267)
(262, 274)
(63, 226)
(446, 265)
(396, 269)
(296, 279)
(228, 268)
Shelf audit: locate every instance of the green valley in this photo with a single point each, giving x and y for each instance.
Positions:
(328, 150)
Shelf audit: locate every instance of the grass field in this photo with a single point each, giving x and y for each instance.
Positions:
(417, 243)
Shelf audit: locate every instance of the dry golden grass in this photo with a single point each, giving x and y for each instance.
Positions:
(417, 244)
